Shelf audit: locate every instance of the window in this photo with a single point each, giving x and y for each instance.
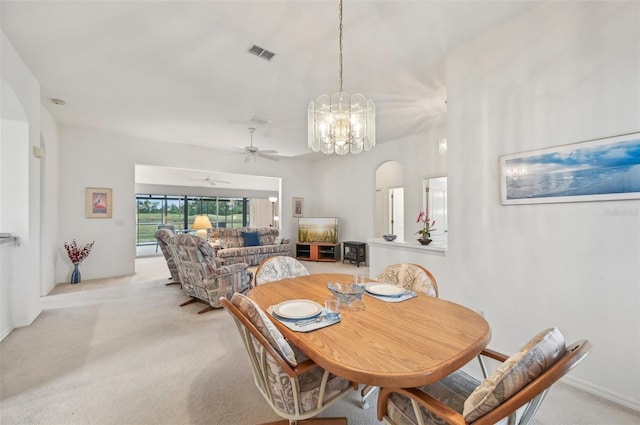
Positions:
(181, 211)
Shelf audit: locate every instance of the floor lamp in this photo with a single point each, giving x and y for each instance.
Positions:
(274, 217)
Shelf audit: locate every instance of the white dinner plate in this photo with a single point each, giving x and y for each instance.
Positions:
(385, 290)
(297, 309)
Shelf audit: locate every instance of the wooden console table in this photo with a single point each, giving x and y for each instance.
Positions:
(317, 251)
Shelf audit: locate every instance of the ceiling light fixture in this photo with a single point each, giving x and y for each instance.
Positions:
(341, 123)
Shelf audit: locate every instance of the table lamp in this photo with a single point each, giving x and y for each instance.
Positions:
(202, 224)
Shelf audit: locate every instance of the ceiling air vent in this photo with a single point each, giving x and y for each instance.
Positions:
(261, 53)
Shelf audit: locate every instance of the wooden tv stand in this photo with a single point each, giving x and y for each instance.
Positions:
(318, 251)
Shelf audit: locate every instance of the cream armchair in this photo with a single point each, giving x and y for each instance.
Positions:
(202, 278)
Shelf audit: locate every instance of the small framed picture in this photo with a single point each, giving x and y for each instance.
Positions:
(98, 202)
(298, 207)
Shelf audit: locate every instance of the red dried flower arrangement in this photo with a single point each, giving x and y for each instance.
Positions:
(76, 254)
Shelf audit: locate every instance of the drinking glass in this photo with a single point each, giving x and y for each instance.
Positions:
(332, 307)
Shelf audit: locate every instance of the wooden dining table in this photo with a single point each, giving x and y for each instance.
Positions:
(403, 344)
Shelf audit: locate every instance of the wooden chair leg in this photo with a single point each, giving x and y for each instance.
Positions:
(191, 301)
(204, 310)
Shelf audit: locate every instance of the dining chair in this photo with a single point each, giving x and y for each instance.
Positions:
(163, 237)
(295, 387)
(512, 394)
(410, 276)
(278, 268)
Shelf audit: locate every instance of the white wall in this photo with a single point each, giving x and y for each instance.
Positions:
(93, 158)
(49, 200)
(565, 72)
(20, 206)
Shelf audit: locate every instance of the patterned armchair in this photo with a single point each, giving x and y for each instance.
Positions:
(510, 395)
(277, 268)
(410, 276)
(295, 387)
(201, 276)
(163, 236)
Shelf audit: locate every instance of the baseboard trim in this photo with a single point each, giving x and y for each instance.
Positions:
(6, 332)
(29, 320)
(602, 393)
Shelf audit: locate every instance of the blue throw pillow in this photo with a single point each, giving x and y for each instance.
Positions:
(251, 239)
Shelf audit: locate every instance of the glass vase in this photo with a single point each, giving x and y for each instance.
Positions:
(75, 274)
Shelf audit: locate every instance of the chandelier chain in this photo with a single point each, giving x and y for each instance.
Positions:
(340, 123)
(340, 46)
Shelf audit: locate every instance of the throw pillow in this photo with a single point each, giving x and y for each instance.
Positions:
(251, 239)
(278, 240)
(261, 321)
(535, 357)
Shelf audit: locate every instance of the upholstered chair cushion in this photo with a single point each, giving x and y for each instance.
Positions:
(277, 268)
(452, 390)
(410, 277)
(517, 371)
(260, 320)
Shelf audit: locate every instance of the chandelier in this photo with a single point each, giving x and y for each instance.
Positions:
(341, 123)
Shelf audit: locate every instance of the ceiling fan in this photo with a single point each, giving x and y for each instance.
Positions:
(252, 152)
(211, 181)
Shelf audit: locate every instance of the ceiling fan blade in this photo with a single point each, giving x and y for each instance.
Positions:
(268, 151)
(247, 158)
(221, 181)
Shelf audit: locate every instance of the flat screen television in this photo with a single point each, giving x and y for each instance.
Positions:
(318, 229)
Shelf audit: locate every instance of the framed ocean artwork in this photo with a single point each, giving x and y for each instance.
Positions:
(596, 170)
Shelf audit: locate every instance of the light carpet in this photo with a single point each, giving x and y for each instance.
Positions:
(122, 351)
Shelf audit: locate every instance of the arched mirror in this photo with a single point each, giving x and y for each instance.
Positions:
(434, 198)
(389, 211)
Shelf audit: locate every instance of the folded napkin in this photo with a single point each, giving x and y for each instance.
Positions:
(407, 295)
(308, 325)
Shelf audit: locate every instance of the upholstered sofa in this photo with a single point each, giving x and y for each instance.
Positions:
(248, 245)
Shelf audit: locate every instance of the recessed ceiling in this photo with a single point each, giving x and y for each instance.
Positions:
(179, 71)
